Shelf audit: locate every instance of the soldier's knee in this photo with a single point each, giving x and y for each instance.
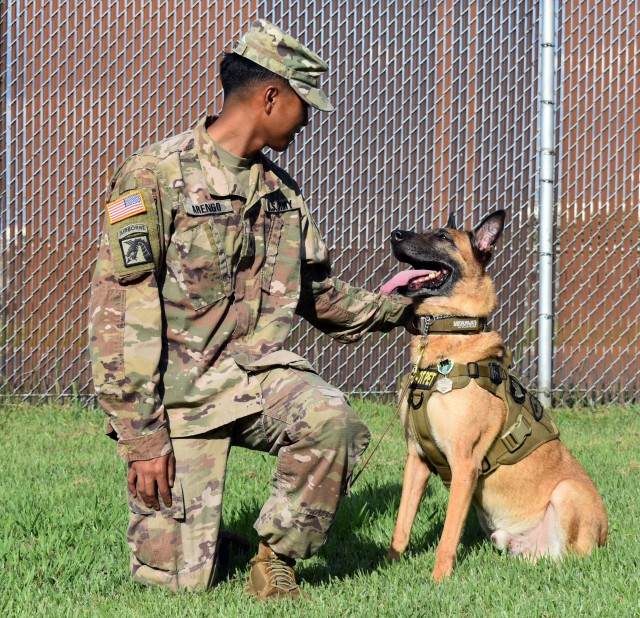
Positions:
(359, 433)
(342, 427)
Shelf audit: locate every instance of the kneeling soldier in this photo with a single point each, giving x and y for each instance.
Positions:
(209, 251)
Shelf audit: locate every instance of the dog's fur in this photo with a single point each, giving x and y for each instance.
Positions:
(544, 505)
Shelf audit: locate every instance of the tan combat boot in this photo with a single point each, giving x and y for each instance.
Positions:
(271, 576)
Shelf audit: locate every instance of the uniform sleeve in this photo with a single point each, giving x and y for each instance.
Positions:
(336, 308)
(125, 329)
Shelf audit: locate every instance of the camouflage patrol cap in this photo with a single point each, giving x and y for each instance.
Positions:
(273, 49)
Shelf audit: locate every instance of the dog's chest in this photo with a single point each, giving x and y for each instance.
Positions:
(461, 419)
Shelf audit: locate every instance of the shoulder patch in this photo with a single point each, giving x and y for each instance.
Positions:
(135, 242)
(126, 206)
(135, 245)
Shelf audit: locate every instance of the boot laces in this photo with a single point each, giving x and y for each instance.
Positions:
(282, 576)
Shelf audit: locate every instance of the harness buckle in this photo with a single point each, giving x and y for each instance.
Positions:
(496, 373)
(514, 437)
(473, 370)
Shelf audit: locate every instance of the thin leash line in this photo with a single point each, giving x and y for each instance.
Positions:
(405, 388)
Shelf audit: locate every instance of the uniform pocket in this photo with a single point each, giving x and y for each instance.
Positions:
(279, 358)
(154, 536)
(281, 270)
(106, 330)
(201, 269)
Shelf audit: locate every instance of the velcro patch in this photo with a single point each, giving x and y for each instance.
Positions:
(135, 245)
(278, 206)
(424, 379)
(126, 206)
(214, 207)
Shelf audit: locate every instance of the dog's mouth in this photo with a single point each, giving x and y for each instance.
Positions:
(411, 282)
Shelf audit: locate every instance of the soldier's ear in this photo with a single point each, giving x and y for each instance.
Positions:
(269, 96)
(488, 232)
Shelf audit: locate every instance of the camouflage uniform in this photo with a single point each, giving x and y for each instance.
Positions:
(194, 293)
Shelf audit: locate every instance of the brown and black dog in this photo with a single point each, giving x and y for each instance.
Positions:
(544, 505)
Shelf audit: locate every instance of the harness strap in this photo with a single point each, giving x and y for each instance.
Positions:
(421, 428)
(527, 426)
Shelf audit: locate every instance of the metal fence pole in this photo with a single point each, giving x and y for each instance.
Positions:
(546, 198)
(6, 64)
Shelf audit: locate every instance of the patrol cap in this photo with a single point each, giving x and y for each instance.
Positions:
(273, 49)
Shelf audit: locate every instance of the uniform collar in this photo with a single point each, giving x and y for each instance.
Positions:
(221, 182)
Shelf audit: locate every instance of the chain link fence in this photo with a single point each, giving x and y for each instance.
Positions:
(437, 113)
(598, 208)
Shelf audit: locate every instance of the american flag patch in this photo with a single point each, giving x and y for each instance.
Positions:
(126, 206)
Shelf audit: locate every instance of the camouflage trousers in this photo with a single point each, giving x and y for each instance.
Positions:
(317, 439)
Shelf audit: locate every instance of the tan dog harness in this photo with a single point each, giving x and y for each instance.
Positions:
(527, 424)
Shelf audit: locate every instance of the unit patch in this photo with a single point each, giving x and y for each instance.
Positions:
(135, 245)
(126, 206)
(214, 207)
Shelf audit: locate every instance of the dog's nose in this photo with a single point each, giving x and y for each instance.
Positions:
(398, 235)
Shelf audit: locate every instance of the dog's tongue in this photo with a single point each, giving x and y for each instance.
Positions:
(402, 279)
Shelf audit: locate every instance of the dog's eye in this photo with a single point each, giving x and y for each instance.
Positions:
(443, 236)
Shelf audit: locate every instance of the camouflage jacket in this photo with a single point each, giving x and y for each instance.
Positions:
(195, 290)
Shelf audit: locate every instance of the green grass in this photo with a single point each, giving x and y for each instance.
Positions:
(63, 517)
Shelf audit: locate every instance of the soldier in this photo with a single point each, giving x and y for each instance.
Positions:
(209, 251)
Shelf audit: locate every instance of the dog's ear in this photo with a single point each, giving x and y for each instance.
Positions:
(451, 221)
(487, 233)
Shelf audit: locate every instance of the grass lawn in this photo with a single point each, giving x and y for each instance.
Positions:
(63, 517)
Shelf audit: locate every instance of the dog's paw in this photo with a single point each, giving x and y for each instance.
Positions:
(441, 573)
(393, 555)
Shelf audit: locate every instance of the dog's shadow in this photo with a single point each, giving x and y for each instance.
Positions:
(350, 548)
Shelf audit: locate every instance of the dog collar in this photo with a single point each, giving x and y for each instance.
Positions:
(451, 325)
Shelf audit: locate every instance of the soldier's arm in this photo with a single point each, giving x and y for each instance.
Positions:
(338, 309)
(125, 330)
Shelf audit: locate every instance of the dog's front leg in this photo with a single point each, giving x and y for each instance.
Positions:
(463, 483)
(416, 476)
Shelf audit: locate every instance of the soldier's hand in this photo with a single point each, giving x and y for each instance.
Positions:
(147, 479)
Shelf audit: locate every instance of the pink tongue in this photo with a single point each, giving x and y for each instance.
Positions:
(402, 279)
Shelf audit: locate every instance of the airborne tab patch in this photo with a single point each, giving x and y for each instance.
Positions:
(424, 379)
(126, 206)
(135, 245)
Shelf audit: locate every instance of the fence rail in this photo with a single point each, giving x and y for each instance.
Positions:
(438, 108)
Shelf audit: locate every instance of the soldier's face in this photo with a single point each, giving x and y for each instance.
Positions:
(290, 114)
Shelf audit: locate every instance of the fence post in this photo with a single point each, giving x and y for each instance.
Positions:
(547, 111)
(6, 67)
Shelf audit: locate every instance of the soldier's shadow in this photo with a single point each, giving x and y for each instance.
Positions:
(351, 548)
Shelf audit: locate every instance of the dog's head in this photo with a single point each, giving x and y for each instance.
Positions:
(448, 268)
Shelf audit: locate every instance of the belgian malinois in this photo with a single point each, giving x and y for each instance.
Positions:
(543, 505)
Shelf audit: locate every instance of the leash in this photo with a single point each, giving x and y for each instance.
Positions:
(405, 388)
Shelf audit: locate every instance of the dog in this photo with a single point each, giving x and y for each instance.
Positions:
(544, 504)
